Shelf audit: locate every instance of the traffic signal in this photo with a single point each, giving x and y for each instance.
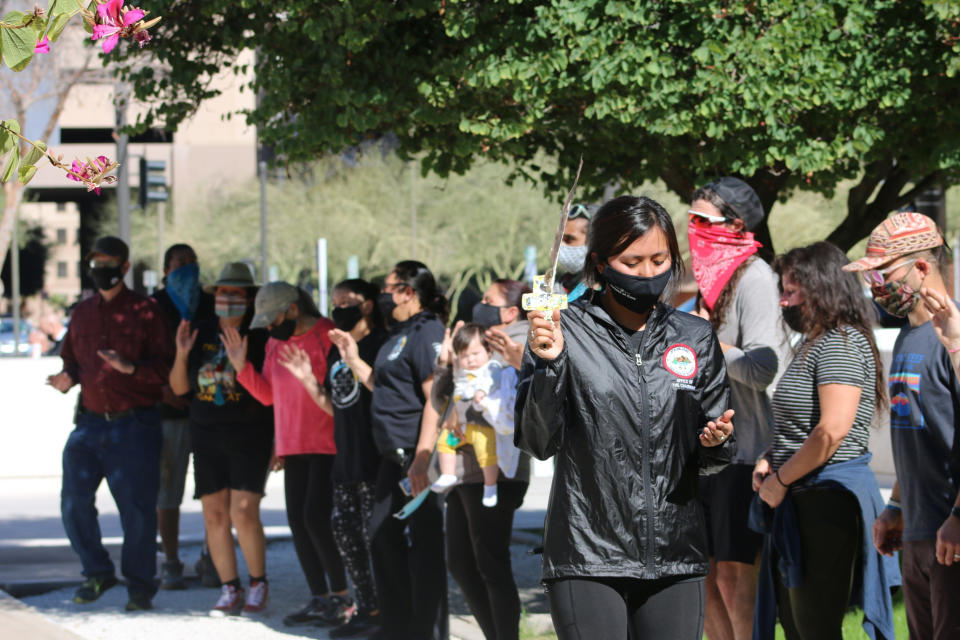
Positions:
(153, 184)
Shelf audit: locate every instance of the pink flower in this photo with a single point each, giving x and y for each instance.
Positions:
(92, 175)
(43, 46)
(141, 37)
(113, 22)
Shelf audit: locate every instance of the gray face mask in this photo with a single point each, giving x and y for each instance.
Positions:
(571, 259)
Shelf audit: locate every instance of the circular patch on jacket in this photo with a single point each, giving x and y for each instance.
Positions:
(681, 361)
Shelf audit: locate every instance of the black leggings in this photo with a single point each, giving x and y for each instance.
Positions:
(478, 555)
(621, 608)
(830, 541)
(353, 506)
(309, 493)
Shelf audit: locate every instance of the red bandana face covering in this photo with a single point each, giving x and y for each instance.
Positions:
(715, 253)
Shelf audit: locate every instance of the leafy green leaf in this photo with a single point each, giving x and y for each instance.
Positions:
(35, 152)
(26, 173)
(18, 47)
(11, 166)
(57, 26)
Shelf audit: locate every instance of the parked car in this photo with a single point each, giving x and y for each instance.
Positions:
(6, 337)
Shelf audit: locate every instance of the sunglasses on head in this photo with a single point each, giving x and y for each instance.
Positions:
(579, 211)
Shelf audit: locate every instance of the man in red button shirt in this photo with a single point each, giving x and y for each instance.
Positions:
(117, 350)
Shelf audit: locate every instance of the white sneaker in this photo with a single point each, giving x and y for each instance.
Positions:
(229, 604)
(489, 496)
(444, 482)
(257, 597)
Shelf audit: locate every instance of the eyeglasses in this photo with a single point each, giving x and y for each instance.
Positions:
(697, 216)
(877, 277)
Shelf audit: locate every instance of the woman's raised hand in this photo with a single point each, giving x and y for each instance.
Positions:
(185, 337)
(546, 338)
(346, 344)
(717, 431)
(236, 347)
(946, 316)
(296, 361)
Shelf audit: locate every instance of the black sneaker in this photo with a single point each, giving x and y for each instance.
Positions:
(93, 588)
(340, 610)
(206, 571)
(314, 612)
(171, 576)
(361, 623)
(139, 602)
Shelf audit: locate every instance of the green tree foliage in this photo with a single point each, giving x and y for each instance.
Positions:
(790, 94)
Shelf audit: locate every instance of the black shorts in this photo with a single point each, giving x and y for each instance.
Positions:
(231, 457)
(726, 500)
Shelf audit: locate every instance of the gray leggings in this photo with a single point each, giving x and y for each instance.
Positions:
(621, 608)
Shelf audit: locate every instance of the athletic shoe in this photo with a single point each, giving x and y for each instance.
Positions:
(206, 571)
(139, 602)
(314, 612)
(171, 576)
(93, 588)
(230, 602)
(361, 623)
(257, 597)
(340, 610)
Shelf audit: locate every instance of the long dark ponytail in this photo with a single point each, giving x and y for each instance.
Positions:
(417, 276)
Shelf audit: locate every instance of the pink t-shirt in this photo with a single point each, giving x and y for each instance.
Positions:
(301, 426)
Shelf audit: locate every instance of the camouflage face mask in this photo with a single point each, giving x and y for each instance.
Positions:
(897, 298)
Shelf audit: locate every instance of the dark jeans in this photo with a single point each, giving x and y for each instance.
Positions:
(408, 565)
(621, 608)
(931, 592)
(127, 453)
(830, 543)
(478, 555)
(308, 489)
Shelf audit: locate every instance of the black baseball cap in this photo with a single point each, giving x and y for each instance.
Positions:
(110, 246)
(741, 197)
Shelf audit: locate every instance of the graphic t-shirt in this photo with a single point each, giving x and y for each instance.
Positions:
(357, 456)
(216, 397)
(404, 361)
(924, 393)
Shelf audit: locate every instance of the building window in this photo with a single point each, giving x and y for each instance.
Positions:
(61, 236)
(61, 207)
(61, 269)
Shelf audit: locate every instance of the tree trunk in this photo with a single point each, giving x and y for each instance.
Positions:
(12, 192)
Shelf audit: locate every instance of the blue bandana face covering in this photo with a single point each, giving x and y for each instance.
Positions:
(182, 287)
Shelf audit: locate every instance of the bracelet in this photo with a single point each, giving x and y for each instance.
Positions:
(780, 480)
(954, 350)
(955, 512)
(893, 504)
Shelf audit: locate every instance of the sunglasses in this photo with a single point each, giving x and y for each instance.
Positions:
(877, 277)
(702, 219)
(579, 211)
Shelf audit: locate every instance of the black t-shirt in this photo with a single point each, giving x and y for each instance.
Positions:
(404, 361)
(216, 397)
(357, 456)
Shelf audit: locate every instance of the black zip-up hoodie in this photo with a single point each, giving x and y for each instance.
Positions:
(624, 428)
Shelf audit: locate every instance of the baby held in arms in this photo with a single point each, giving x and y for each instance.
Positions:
(476, 407)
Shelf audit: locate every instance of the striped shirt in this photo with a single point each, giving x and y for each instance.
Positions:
(840, 356)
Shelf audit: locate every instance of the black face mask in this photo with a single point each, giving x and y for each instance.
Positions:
(636, 293)
(106, 277)
(346, 318)
(486, 315)
(387, 305)
(284, 330)
(793, 316)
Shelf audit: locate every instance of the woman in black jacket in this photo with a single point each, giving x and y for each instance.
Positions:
(631, 397)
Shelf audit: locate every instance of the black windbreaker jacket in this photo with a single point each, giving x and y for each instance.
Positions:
(624, 429)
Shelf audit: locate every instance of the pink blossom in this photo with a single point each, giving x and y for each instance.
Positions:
(113, 22)
(43, 46)
(91, 174)
(141, 38)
